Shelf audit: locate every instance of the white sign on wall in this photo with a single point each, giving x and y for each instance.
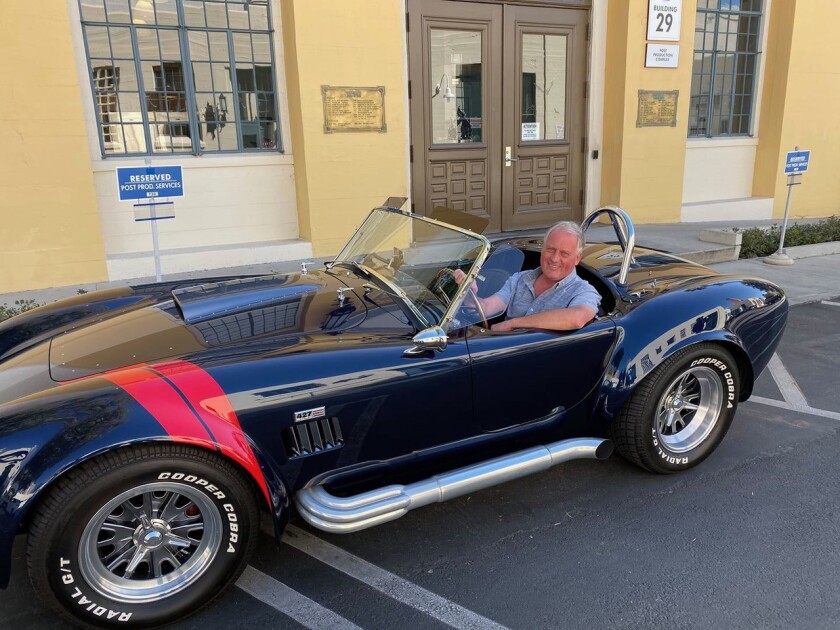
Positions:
(662, 56)
(664, 17)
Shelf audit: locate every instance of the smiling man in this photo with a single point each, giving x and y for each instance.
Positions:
(552, 297)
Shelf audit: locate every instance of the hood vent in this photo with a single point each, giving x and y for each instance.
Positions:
(315, 436)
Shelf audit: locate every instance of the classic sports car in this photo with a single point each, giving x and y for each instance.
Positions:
(142, 429)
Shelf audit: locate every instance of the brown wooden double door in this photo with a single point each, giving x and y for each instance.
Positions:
(498, 110)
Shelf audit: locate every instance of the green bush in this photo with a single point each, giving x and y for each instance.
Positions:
(756, 242)
(20, 306)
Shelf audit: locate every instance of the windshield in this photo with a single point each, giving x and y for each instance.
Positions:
(415, 258)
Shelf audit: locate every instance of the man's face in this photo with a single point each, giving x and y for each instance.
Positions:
(559, 255)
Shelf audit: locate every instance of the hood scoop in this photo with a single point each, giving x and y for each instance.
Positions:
(210, 301)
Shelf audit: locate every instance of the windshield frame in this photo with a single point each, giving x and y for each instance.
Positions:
(452, 307)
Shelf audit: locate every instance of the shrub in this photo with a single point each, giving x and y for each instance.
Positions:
(757, 242)
(20, 306)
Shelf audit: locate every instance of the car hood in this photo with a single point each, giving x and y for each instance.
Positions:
(206, 316)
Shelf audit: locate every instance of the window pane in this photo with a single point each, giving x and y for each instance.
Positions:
(147, 43)
(93, 10)
(194, 12)
(262, 48)
(219, 47)
(259, 16)
(199, 48)
(97, 41)
(456, 93)
(543, 87)
(170, 45)
(237, 15)
(143, 12)
(216, 14)
(121, 43)
(242, 47)
(117, 11)
(167, 12)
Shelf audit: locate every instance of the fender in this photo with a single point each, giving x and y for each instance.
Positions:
(45, 435)
(723, 322)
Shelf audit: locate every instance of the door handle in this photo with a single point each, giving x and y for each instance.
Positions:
(508, 158)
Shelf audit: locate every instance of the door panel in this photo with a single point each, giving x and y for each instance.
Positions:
(543, 120)
(484, 78)
(526, 376)
(455, 84)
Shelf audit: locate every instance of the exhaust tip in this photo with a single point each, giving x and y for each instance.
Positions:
(604, 450)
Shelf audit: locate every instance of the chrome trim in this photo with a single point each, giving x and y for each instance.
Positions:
(624, 230)
(350, 514)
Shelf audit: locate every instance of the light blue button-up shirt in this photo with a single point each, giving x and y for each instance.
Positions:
(518, 293)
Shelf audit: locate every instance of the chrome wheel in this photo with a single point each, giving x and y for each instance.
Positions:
(689, 409)
(150, 542)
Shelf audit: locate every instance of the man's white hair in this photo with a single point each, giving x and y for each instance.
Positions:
(570, 227)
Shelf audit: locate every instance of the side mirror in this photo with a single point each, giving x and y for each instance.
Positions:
(429, 339)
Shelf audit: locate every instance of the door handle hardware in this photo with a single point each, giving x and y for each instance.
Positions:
(508, 158)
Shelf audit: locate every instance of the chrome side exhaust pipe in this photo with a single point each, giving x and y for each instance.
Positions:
(342, 515)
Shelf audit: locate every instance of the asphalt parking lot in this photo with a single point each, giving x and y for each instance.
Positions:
(746, 540)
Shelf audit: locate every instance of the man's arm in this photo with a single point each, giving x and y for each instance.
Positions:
(571, 318)
(491, 305)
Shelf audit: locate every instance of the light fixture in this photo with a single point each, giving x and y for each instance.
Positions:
(223, 104)
(447, 93)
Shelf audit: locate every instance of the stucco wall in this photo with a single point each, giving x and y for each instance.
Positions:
(800, 107)
(49, 224)
(359, 44)
(651, 159)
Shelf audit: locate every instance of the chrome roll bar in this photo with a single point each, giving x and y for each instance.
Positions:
(624, 231)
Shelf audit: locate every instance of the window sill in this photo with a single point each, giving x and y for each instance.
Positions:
(714, 143)
(197, 161)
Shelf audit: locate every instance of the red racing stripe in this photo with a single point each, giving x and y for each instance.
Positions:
(216, 411)
(164, 404)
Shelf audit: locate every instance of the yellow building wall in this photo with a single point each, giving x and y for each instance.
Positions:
(801, 106)
(643, 166)
(341, 176)
(49, 223)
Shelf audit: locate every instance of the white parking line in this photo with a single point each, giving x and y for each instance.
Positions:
(830, 303)
(387, 583)
(790, 390)
(800, 408)
(288, 601)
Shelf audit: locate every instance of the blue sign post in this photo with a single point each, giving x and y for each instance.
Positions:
(151, 184)
(796, 163)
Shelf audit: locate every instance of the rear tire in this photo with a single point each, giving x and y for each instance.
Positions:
(679, 414)
(142, 536)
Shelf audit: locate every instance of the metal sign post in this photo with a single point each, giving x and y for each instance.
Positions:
(151, 183)
(796, 163)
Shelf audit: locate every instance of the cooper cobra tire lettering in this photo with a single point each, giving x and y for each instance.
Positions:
(83, 579)
(680, 412)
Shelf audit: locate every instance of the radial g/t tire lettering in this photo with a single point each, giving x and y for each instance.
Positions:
(680, 412)
(142, 536)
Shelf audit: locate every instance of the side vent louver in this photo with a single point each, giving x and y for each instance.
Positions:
(315, 436)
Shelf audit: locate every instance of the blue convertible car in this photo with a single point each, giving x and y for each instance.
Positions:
(142, 429)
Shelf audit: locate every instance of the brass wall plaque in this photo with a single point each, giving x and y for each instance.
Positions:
(353, 108)
(657, 108)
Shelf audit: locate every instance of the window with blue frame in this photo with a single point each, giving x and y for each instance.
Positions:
(725, 69)
(182, 76)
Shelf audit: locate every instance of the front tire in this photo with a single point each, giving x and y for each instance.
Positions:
(142, 536)
(679, 414)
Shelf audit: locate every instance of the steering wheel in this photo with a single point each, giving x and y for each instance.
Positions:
(446, 275)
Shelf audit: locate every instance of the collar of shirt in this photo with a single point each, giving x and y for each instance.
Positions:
(530, 278)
